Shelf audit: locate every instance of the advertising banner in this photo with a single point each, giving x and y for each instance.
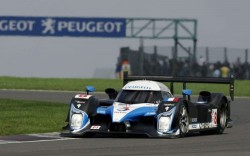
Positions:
(62, 26)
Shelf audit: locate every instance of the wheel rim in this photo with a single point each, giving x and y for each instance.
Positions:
(184, 122)
(223, 118)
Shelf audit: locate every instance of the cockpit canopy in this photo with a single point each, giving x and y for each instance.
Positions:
(143, 91)
(138, 96)
(146, 85)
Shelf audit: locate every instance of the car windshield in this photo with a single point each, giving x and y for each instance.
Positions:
(138, 96)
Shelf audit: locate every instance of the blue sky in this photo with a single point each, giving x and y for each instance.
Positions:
(221, 23)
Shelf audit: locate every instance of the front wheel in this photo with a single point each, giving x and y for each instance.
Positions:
(183, 121)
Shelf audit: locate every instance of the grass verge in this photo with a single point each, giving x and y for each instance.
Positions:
(25, 117)
(74, 84)
(70, 84)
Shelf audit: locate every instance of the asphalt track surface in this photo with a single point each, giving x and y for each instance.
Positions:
(234, 141)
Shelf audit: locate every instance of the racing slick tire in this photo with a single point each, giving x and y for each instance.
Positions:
(183, 121)
(222, 117)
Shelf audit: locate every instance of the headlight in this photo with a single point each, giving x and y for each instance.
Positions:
(164, 123)
(76, 121)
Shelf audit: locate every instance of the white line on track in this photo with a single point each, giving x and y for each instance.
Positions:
(52, 136)
(2, 142)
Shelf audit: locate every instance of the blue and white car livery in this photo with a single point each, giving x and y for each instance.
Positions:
(147, 107)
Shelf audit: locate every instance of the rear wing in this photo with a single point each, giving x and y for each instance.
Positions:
(184, 80)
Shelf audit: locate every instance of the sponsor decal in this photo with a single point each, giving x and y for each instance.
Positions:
(138, 87)
(150, 113)
(193, 119)
(169, 104)
(82, 102)
(120, 112)
(101, 111)
(173, 99)
(194, 126)
(123, 108)
(79, 105)
(204, 125)
(166, 108)
(95, 127)
(214, 116)
(83, 96)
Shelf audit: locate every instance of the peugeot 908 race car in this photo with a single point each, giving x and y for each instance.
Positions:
(146, 106)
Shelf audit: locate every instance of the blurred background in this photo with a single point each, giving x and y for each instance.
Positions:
(222, 41)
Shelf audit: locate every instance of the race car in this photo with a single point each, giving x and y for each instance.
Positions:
(146, 106)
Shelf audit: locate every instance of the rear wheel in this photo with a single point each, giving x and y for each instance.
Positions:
(183, 121)
(222, 118)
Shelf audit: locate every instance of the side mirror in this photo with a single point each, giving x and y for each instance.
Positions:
(112, 93)
(187, 92)
(90, 89)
